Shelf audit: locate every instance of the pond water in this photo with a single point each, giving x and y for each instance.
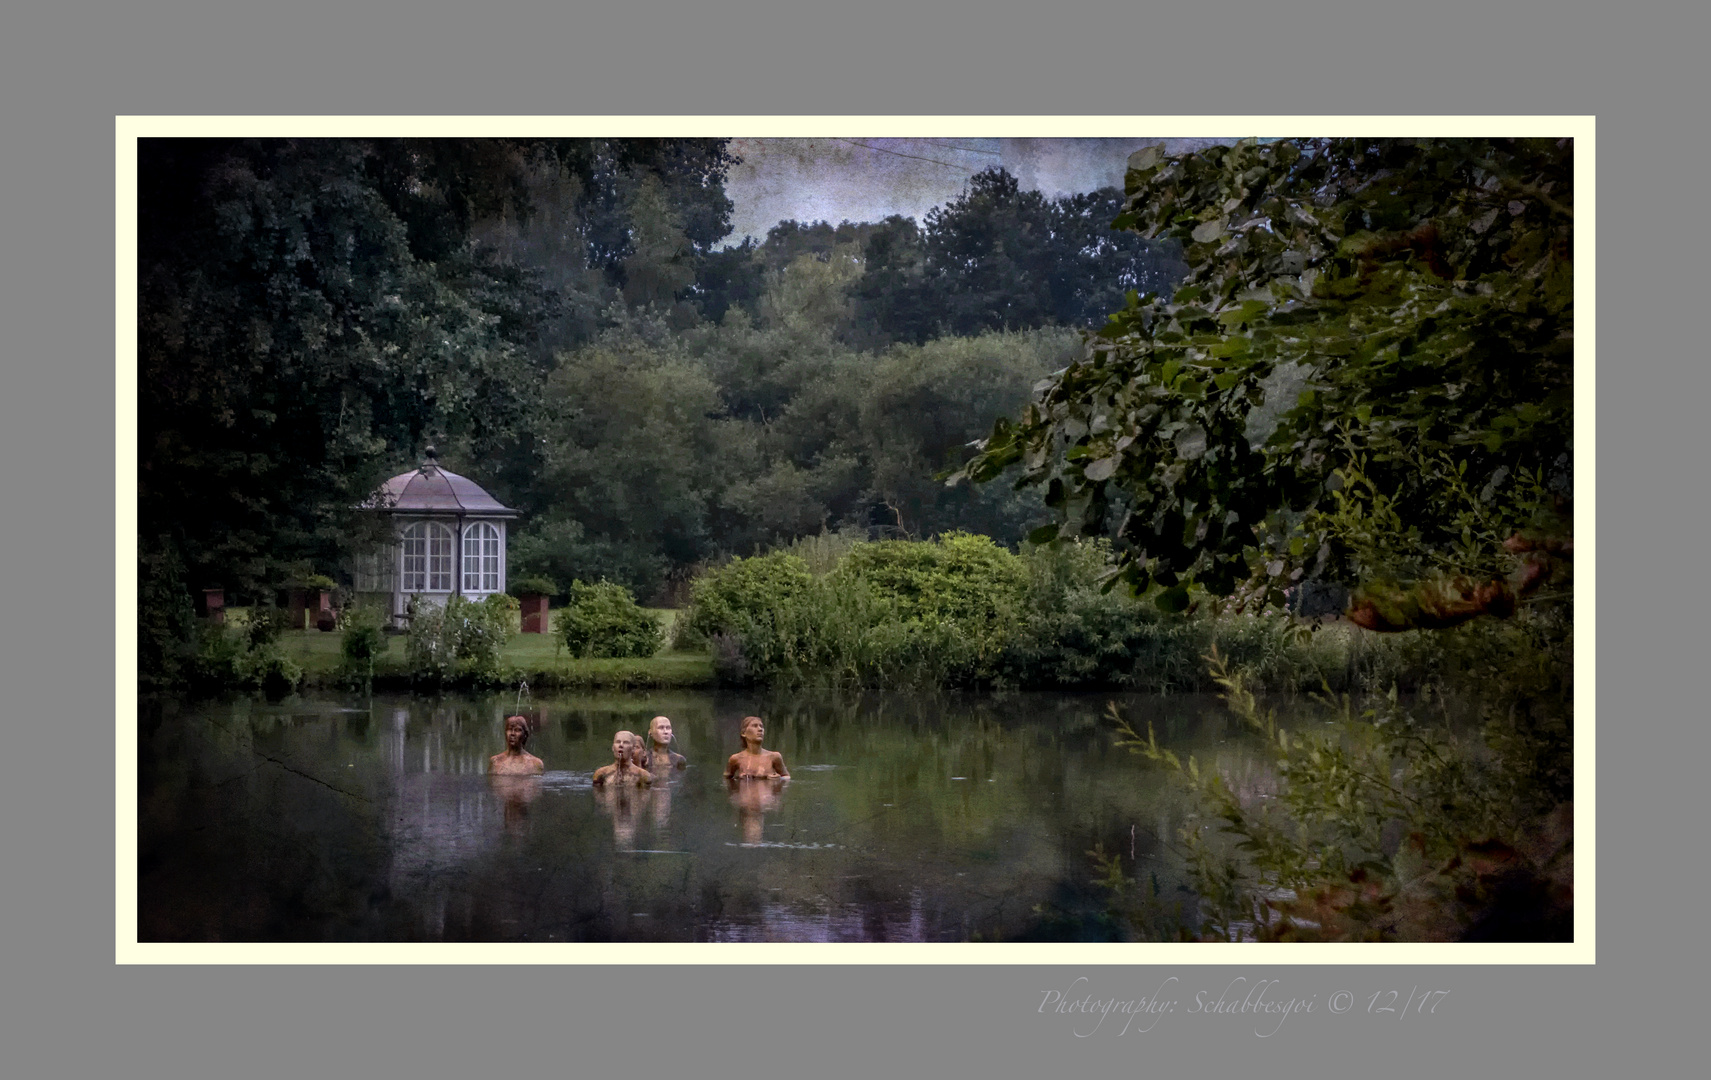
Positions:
(907, 818)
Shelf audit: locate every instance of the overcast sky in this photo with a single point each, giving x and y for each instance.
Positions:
(867, 179)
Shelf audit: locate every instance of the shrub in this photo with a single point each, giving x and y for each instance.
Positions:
(965, 578)
(887, 613)
(1381, 824)
(460, 642)
(740, 594)
(363, 640)
(1075, 634)
(265, 624)
(533, 586)
(272, 671)
(225, 660)
(963, 611)
(603, 620)
(506, 609)
(219, 662)
(838, 632)
(823, 552)
(166, 615)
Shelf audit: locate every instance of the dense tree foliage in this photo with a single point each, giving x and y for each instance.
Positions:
(999, 257)
(1365, 377)
(995, 258)
(312, 311)
(302, 314)
(555, 315)
(664, 449)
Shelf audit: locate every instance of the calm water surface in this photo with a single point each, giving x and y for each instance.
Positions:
(908, 818)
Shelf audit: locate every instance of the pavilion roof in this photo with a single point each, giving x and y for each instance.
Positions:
(431, 489)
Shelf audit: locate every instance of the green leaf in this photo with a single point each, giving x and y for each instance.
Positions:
(1208, 231)
(1146, 157)
(1101, 469)
(1172, 601)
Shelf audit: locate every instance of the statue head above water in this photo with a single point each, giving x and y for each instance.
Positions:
(515, 760)
(623, 767)
(754, 760)
(658, 754)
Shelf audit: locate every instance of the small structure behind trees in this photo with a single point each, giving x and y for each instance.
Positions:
(449, 540)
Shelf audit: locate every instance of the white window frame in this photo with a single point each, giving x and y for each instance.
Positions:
(425, 557)
(483, 548)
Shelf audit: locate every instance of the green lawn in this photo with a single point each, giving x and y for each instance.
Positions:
(539, 658)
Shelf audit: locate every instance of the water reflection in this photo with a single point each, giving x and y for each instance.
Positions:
(622, 802)
(909, 818)
(515, 793)
(660, 797)
(754, 798)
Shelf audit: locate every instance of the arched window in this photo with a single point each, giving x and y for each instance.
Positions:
(427, 557)
(481, 558)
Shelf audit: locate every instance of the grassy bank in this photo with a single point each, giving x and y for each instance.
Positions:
(1091, 642)
(539, 658)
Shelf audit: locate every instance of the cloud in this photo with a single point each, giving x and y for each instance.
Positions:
(838, 179)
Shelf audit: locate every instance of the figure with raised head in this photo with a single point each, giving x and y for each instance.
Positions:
(516, 761)
(658, 758)
(623, 770)
(754, 762)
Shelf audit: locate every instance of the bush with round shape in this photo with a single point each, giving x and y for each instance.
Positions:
(603, 620)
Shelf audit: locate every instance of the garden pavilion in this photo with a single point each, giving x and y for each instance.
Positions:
(450, 540)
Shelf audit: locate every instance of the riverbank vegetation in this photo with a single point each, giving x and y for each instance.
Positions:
(319, 660)
(961, 611)
(1363, 377)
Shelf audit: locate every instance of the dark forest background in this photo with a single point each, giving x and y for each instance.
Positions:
(558, 318)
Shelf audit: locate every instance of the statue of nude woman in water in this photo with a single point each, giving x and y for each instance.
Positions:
(515, 774)
(754, 762)
(657, 756)
(515, 761)
(623, 769)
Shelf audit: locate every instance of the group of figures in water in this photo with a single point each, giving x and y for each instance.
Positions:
(639, 764)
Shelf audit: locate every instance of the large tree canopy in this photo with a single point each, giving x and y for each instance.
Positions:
(313, 310)
(1364, 376)
(999, 257)
(303, 317)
